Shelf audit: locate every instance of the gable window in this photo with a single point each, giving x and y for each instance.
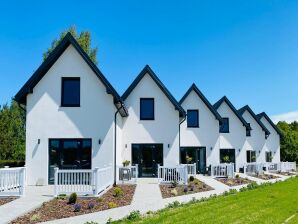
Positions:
(268, 157)
(192, 118)
(224, 128)
(251, 156)
(248, 130)
(70, 95)
(147, 108)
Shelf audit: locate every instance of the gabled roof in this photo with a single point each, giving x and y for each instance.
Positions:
(228, 102)
(263, 114)
(20, 97)
(204, 99)
(247, 108)
(148, 70)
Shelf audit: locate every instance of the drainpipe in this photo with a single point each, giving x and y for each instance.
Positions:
(179, 130)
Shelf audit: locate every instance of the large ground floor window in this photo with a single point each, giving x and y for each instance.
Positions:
(250, 156)
(69, 154)
(190, 155)
(268, 156)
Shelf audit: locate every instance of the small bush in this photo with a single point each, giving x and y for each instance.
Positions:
(91, 205)
(118, 192)
(126, 163)
(134, 215)
(237, 176)
(174, 184)
(174, 192)
(252, 185)
(112, 205)
(99, 200)
(233, 191)
(191, 178)
(196, 181)
(77, 207)
(72, 198)
(61, 196)
(35, 218)
(174, 204)
(185, 189)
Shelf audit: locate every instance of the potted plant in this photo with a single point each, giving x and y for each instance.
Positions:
(126, 163)
(226, 159)
(188, 159)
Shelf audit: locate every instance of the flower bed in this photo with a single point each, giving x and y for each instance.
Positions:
(234, 181)
(173, 190)
(265, 176)
(4, 200)
(59, 207)
(287, 173)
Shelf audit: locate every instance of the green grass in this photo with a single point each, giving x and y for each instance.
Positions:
(266, 204)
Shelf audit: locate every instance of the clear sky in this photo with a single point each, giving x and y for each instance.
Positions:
(247, 50)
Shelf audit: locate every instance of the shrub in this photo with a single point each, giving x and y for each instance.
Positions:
(35, 218)
(174, 204)
(196, 181)
(134, 215)
(174, 192)
(91, 205)
(117, 192)
(237, 176)
(126, 163)
(112, 205)
(61, 196)
(72, 198)
(77, 207)
(191, 178)
(99, 200)
(185, 189)
(174, 183)
(12, 163)
(252, 185)
(233, 191)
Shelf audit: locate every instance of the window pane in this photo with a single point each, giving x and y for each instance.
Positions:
(227, 155)
(224, 128)
(248, 130)
(248, 156)
(71, 92)
(192, 118)
(86, 154)
(253, 156)
(147, 109)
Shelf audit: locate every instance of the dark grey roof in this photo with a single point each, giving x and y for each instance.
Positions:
(263, 114)
(204, 99)
(148, 70)
(247, 108)
(52, 58)
(228, 102)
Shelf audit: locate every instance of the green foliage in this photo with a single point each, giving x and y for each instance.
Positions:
(112, 205)
(72, 198)
(12, 132)
(118, 192)
(289, 141)
(126, 163)
(134, 215)
(226, 159)
(84, 40)
(11, 163)
(174, 204)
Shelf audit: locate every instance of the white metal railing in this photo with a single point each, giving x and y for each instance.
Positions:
(287, 166)
(167, 174)
(253, 168)
(223, 170)
(128, 173)
(272, 167)
(12, 181)
(191, 168)
(82, 182)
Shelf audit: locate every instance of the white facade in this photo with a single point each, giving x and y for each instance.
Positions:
(46, 119)
(207, 134)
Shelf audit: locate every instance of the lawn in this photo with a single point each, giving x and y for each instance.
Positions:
(267, 204)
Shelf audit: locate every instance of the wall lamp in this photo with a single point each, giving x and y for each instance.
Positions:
(211, 148)
(168, 145)
(99, 141)
(38, 141)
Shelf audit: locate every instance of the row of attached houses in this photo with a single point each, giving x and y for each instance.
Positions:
(75, 119)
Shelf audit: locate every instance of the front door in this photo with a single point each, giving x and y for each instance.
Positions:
(68, 154)
(147, 156)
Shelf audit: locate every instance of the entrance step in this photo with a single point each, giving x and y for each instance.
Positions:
(147, 181)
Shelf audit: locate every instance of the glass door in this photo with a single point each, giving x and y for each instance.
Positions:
(201, 160)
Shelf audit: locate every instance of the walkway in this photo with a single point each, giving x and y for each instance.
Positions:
(34, 197)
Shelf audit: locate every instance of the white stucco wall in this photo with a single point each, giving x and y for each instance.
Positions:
(163, 129)
(272, 143)
(207, 135)
(256, 141)
(46, 119)
(236, 138)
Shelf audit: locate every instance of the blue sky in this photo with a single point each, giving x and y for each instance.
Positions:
(247, 50)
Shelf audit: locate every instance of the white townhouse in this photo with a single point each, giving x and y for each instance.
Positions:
(271, 152)
(150, 134)
(256, 138)
(75, 119)
(200, 131)
(233, 131)
(70, 112)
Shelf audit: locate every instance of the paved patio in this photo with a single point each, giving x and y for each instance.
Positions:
(147, 197)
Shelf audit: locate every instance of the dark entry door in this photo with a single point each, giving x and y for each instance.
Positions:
(201, 160)
(69, 154)
(147, 156)
(195, 155)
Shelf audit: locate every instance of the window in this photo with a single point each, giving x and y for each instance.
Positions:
(224, 128)
(192, 118)
(70, 96)
(227, 155)
(248, 130)
(268, 157)
(250, 156)
(147, 109)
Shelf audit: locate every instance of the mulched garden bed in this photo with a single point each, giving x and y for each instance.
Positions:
(4, 200)
(234, 181)
(172, 190)
(59, 208)
(287, 173)
(265, 176)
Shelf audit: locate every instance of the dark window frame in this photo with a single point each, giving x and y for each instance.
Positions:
(198, 119)
(228, 123)
(146, 118)
(249, 155)
(248, 131)
(63, 104)
(268, 156)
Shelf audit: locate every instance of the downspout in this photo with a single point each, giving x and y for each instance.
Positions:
(180, 129)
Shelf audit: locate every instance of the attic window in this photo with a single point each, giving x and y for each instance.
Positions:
(70, 94)
(147, 108)
(248, 130)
